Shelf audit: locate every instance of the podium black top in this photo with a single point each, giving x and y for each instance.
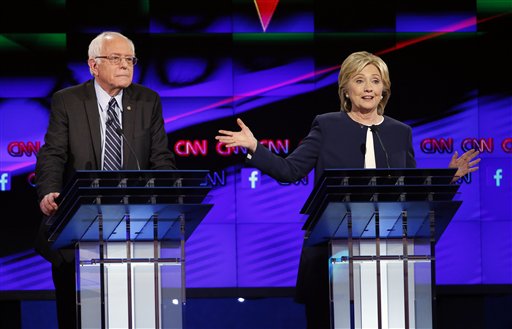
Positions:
(117, 180)
(138, 178)
(389, 176)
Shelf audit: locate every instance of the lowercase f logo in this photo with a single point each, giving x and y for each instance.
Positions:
(250, 178)
(5, 183)
(498, 176)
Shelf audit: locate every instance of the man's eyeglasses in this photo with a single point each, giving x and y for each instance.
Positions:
(116, 60)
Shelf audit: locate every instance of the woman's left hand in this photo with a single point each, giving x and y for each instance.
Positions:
(465, 163)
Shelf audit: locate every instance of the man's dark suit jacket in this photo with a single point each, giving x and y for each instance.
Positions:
(334, 141)
(73, 140)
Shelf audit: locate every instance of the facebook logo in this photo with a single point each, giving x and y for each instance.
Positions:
(253, 178)
(250, 178)
(5, 183)
(498, 176)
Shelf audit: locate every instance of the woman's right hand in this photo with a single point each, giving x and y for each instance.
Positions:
(243, 138)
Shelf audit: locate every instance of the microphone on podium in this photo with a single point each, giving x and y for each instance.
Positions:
(375, 130)
(120, 132)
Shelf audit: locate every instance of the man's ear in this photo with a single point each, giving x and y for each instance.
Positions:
(92, 65)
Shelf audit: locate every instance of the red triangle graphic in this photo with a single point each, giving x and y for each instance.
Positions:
(265, 10)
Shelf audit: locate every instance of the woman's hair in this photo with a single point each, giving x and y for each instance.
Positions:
(354, 64)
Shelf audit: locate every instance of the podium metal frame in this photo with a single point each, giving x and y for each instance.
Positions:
(381, 226)
(128, 230)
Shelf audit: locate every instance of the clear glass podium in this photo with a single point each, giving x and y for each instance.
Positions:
(382, 226)
(129, 229)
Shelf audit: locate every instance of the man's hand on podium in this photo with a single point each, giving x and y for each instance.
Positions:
(48, 205)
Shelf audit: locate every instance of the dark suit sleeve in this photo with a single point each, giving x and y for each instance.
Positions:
(161, 156)
(53, 155)
(295, 166)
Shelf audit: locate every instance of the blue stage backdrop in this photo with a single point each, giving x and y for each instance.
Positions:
(274, 64)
